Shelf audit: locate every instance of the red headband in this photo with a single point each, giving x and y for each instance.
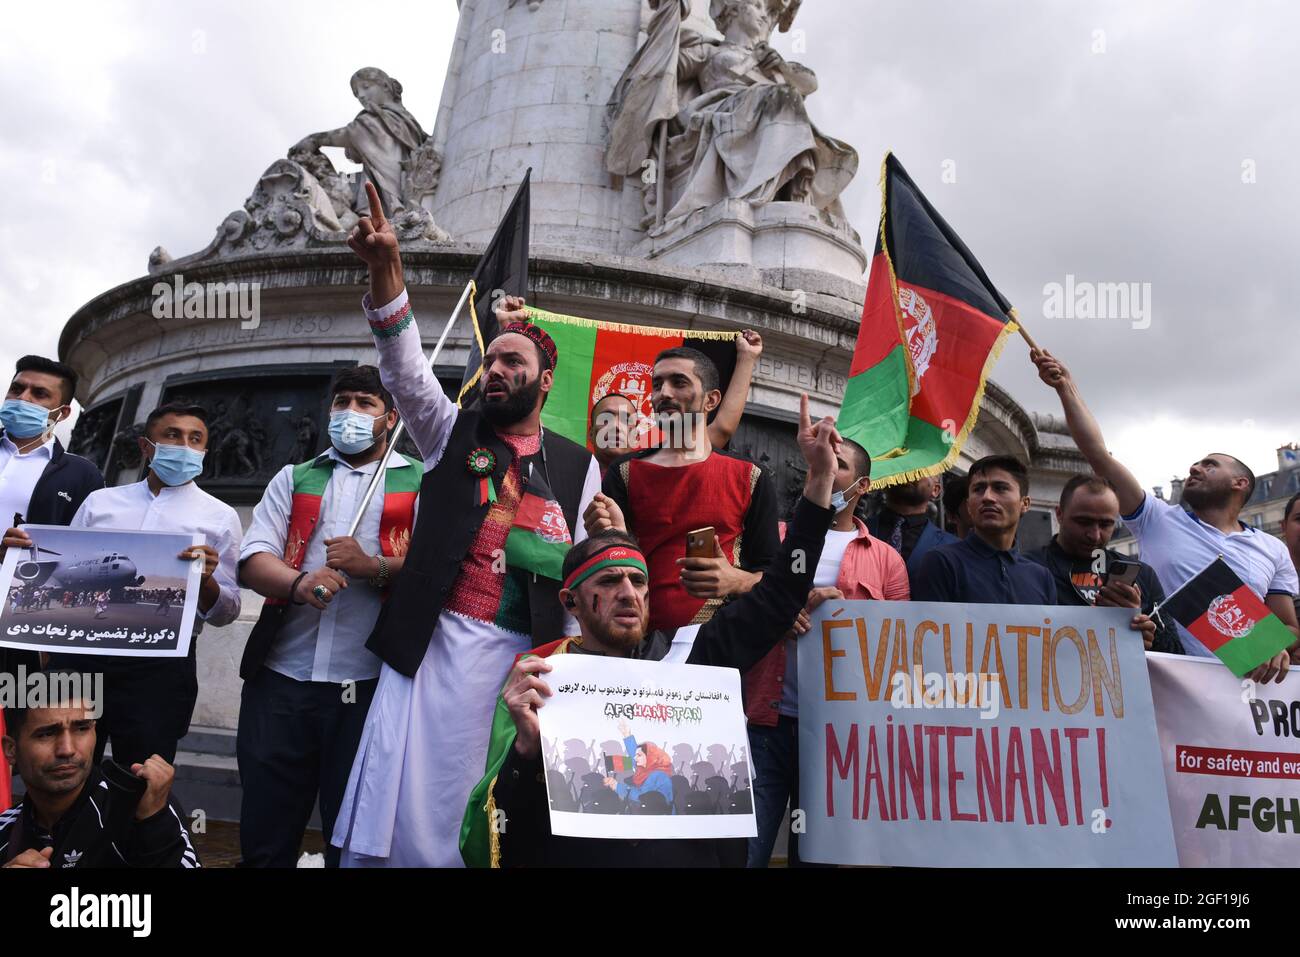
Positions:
(613, 556)
(538, 335)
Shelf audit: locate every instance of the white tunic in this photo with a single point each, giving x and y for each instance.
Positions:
(424, 746)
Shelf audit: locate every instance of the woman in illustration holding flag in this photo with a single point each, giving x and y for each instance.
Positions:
(654, 769)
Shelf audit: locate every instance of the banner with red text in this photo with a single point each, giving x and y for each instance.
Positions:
(951, 735)
(1232, 763)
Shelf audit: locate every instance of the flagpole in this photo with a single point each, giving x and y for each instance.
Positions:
(401, 424)
(1024, 333)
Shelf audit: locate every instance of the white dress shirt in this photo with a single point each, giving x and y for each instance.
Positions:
(1179, 546)
(327, 645)
(183, 510)
(19, 475)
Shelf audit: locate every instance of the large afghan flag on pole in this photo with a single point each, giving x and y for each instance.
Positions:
(1224, 615)
(932, 327)
(597, 358)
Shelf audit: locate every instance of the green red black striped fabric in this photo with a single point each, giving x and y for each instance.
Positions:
(1222, 612)
(932, 327)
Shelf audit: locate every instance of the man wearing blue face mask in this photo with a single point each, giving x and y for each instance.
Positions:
(148, 701)
(39, 481)
(308, 676)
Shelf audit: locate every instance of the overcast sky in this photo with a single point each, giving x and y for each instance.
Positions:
(1107, 141)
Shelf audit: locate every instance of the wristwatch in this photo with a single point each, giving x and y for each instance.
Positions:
(381, 580)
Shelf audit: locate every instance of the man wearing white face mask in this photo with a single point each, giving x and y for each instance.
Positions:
(308, 677)
(854, 564)
(148, 701)
(39, 481)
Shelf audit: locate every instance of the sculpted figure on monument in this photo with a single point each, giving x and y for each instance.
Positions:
(391, 146)
(303, 201)
(723, 119)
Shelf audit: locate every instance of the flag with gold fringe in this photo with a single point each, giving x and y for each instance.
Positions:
(597, 358)
(932, 327)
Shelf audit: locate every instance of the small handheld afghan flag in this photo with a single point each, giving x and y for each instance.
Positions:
(616, 763)
(932, 327)
(539, 538)
(1222, 613)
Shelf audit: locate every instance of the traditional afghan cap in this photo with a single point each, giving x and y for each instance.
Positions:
(538, 335)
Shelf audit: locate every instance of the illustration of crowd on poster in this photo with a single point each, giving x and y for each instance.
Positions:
(644, 749)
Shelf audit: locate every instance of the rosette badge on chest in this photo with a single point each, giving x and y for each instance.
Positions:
(482, 462)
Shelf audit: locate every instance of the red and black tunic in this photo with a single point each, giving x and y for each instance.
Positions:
(661, 504)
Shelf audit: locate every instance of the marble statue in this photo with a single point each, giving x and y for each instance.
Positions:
(723, 119)
(304, 201)
(383, 138)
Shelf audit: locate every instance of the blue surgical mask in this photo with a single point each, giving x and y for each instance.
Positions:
(840, 499)
(352, 432)
(24, 420)
(175, 464)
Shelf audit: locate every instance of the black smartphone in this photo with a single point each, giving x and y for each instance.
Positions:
(1122, 570)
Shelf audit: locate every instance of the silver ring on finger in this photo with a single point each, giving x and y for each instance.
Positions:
(321, 592)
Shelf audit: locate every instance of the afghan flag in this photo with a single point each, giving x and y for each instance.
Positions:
(502, 269)
(1222, 613)
(597, 358)
(617, 763)
(482, 825)
(539, 538)
(932, 327)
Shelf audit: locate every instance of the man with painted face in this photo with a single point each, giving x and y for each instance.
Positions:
(40, 483)
(615, 418)
(501, 499)
(148, 701)
(607, 587)
(662, 494)
(1180, 541)
(308, 677)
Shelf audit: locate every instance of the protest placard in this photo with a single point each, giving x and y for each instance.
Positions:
(645, 749)
(100, 592)
(1232, 763)
(935, 734)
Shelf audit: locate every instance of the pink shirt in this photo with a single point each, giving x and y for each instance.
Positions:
(870, 569)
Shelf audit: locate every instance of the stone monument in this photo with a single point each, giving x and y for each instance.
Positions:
(677, 181)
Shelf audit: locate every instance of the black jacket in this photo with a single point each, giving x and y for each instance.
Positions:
(60, 490)
(446, 527)
(1068, 592)
(738, 636)
(100, 829)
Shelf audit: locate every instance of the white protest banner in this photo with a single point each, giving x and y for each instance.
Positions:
(1232, 763)
(645, 749)
(937, 735)
(100, 592)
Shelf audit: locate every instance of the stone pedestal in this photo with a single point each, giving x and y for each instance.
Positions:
(787, 245)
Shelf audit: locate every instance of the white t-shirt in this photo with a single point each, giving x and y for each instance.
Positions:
(1179, 546)
(826, 576)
